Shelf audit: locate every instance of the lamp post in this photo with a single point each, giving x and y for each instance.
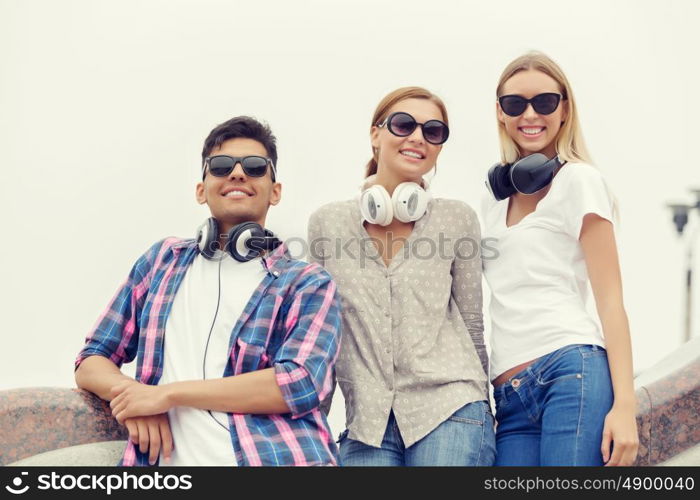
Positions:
(681, 212)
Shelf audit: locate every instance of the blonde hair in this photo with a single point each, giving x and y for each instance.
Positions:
(569, 142)
(388, 102)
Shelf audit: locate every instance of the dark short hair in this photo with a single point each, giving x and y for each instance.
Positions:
(243, 127)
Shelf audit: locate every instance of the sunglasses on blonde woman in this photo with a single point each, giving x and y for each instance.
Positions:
(543, 104)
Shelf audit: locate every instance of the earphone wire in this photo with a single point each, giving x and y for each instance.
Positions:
(211, 329)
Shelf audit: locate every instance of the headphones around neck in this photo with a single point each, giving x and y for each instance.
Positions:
(407, 204)
(244, 242)
(527, 175)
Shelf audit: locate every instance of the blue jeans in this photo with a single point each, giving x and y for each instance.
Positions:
(465, 438)
(552, 412)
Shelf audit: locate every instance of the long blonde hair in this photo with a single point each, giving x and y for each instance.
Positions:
(388, 102)
(570, 145)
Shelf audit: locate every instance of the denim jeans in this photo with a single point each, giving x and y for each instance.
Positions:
(465, 438)
(552, 412)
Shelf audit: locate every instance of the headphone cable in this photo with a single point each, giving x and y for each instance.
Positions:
(211, 329)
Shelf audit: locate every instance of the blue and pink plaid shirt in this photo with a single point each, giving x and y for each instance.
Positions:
(291, 323)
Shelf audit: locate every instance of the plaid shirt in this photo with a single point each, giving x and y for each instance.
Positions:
(291, 323)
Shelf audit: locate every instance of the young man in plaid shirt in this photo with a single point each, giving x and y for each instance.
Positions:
(235, 349)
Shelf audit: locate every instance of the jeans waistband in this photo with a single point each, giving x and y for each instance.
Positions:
(541, 363)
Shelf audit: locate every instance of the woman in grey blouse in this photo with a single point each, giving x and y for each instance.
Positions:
(412, 364)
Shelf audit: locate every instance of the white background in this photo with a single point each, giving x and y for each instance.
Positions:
(104, 107)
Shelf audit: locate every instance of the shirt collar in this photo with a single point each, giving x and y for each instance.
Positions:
(186, 243)
(277, 261)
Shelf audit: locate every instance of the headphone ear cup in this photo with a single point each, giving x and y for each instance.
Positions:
(208, 238)
(238, 238)
(498, 181)
(410, 201)
(533, 172)
(376, 205)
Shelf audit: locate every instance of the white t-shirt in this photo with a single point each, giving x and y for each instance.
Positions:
(198, 439)
(536, 270)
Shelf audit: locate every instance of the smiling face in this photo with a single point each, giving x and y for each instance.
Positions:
(406, 158)
(238, 197)
(533, 132)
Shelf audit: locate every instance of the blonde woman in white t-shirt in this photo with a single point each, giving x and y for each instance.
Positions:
(563, 385)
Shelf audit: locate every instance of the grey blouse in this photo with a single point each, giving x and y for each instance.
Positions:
(412, 333)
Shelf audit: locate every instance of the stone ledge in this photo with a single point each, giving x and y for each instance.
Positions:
(34, 421)
(668, 398)
(104, 454)
(39, 419)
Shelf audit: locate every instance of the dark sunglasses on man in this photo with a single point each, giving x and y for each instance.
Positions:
(543, 104)
(223, 165)
(402, 125)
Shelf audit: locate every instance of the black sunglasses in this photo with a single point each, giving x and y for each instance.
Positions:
(402, 125)
(223, 165)
(543, 104)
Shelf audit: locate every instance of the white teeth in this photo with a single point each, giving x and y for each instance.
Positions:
(235, 193)
(412, 154)
(532, 131)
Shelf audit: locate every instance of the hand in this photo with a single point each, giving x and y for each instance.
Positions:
(151, 434)
(131, 399)
(620, 428)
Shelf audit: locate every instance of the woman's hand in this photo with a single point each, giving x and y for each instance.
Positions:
(620, 429)
(133, 399)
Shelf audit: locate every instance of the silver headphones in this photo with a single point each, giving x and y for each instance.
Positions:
(408, 203)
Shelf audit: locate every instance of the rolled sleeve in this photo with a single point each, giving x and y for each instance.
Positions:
(305, 362)
(297, 388)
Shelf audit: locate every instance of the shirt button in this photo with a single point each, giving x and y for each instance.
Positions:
(387, 350)
(387, 313)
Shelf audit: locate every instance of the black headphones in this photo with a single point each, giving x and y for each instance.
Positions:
(245, 241)
(527, 175)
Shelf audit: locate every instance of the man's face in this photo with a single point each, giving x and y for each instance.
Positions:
(238, 197)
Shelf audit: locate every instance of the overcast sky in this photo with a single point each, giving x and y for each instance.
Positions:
(105, 106)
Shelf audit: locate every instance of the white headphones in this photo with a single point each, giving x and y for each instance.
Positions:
(408, 203)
